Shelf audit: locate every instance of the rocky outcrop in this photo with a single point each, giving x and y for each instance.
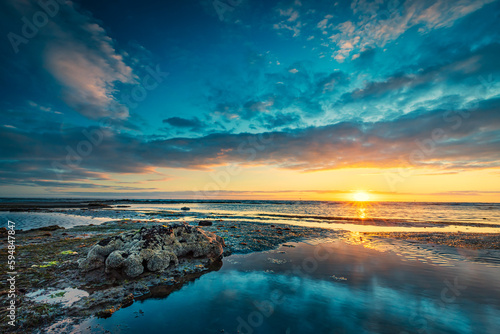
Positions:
(152, 249)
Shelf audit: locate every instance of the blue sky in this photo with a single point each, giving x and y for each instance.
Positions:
(174, 86)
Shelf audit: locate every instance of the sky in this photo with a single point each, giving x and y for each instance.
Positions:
(251, 99)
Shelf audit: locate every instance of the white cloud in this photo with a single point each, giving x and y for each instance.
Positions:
(340, 58)
(324, 23)
(291, 21)
(290, 13)
(294, 28)
(79, 54)
(377, 23)
(42, 108)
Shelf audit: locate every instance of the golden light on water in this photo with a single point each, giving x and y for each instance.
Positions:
(361, 213)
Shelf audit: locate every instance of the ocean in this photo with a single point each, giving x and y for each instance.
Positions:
(355, 216)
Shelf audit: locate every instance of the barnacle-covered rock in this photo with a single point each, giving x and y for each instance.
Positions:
(152, 249)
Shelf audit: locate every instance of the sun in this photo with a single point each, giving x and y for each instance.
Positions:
(361, 196)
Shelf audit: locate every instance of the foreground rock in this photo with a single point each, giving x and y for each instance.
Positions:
(153, 249)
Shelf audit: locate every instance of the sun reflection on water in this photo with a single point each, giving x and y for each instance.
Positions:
(361, 213)
(362, 209)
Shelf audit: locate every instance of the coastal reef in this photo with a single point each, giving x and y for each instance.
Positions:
(152, 249)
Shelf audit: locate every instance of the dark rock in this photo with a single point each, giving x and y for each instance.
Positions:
(205, 223)
(17, 210)
(185, 208)
(47, 228)
(155, 249)
(128, 300)
(106, 313)
(98, 205)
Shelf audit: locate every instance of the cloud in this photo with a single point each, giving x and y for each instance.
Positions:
(279, 120)
(407, 70)
(193, 124)
(77, 52)
(466, 193)
(291, 20)
(455, 82)
(108, 191)
(440, 139)
(376, 23)
(84, 61)
(298, 89)
(323, 24)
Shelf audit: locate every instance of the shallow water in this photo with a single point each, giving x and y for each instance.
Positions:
(447, 212)
(332, 287)
(30, 220)
(65, 297)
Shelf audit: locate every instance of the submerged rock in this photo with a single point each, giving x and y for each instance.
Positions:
(205, 223)
(47, 228)
(154, 249)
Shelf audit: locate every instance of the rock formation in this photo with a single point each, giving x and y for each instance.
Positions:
(154, 249)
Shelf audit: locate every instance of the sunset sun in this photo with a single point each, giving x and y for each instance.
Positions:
(361, 196)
